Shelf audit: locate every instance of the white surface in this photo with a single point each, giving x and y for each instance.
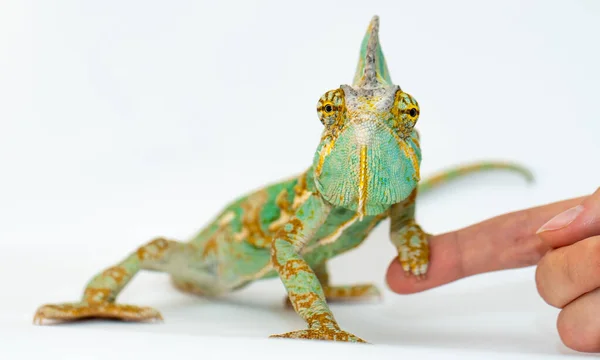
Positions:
(121, 121)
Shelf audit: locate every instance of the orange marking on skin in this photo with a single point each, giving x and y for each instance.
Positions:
(300, 186)
(282, 200)
(296, 225)
(343, 293)
(284, 234)
(363, 182)
(211, 245)
(416, 141)
(153, 250)
(301, 193)
(286, 208)
(326, 325)
(293, 267)
(97, 295)
(76, 311)
(303, 301)
(252, 231)
(409, 152)
(117, 273)
(347, 292)
(325, 150)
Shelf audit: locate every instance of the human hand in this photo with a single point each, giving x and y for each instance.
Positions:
(567, 255)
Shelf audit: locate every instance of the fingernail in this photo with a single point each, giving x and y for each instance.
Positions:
(561, 220)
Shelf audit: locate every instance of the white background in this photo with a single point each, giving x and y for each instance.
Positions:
(124, 120)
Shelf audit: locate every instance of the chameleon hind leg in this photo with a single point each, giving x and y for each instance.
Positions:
(98, 300)
(342, 293)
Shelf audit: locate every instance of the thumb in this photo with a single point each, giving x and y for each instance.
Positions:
(577, 223)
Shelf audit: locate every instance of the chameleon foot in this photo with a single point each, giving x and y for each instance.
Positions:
(323, 333)
(413, 251)
(106, 310)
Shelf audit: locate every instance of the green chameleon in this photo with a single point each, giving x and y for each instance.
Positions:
(365, 169)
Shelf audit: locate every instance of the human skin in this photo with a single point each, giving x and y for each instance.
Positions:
(561, 239)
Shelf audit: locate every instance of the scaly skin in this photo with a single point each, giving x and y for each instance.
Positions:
(365, 169)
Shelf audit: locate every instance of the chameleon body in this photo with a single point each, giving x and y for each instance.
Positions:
(365, 169)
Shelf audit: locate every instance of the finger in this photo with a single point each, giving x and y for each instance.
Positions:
(579, 324)
(574, 224)
(504, 242)
(566, 273)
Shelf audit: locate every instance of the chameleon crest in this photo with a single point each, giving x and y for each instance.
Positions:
(365, 169)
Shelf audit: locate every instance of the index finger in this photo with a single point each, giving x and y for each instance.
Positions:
(505, 242)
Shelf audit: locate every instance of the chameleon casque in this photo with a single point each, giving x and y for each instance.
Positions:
(365, 169)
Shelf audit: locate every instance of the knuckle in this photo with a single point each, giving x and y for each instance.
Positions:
(525, 248)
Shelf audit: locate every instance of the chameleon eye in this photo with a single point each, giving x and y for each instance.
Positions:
(405, 112)
(331, 107)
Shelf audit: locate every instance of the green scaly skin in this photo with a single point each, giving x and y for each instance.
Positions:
(365, 169)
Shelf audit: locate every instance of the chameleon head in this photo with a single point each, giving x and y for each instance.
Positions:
(369, 156)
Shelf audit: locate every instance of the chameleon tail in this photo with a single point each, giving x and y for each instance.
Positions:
(451, 174)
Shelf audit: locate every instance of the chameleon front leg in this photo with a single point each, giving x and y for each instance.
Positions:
(304, 289)
(410, 240)
(98, 300)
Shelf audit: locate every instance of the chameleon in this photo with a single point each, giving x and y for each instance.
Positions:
(365, 169)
